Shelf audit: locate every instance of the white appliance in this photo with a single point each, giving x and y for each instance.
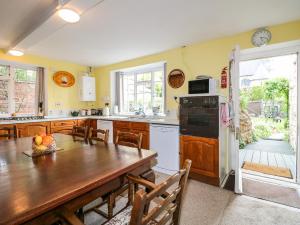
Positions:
(164, 139)
(87, 88)
(106, 125)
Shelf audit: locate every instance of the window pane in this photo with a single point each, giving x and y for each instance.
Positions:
(4, 70)
(140, 88)
(4, 96)
(25, 81)
(140, 77)
(147, 87)
(158, 90)
(158, 75)
(147, 76)
(147, 102)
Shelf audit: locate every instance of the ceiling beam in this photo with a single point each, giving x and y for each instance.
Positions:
(52, 22)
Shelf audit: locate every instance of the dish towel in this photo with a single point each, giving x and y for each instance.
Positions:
(224, 114)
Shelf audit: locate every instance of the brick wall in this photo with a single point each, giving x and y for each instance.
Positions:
(25, 97)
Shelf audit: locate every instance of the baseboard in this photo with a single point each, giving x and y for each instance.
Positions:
(205, 179)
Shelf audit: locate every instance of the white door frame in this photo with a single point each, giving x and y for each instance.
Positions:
(286, 48)
(235, 127)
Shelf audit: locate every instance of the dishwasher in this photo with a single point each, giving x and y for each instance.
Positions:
(164, 139)
(106, 125)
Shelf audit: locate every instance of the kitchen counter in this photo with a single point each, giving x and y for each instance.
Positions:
(151, 120)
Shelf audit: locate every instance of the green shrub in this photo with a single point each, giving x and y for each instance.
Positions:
(242, 144)
(262, 131)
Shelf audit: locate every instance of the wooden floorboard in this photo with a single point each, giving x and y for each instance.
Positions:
(272, 159)
(289, 163)
(264, 158)
(280, 161)
(256, 157)
(269, 158)
(248, 156)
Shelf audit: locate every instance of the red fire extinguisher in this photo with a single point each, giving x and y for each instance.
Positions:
(224, 77)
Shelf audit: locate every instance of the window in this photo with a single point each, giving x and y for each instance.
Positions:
(17, 90)
(142, 88)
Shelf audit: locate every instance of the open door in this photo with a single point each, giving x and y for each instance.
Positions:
(234, 103)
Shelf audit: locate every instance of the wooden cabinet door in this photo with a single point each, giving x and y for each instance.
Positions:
(62, 130)
(4, 132)
(31, 129)
(204, 153)
(82, 123)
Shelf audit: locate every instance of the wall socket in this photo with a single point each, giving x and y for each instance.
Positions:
(57, 104)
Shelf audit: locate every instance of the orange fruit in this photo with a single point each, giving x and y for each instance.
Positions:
(47, 140)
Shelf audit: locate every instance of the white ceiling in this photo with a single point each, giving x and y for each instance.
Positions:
(18, 17)
(118, 30)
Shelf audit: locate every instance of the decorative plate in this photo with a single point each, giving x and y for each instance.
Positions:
(176, 78)
(64, 79)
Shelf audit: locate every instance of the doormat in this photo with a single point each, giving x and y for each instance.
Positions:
(271, 170)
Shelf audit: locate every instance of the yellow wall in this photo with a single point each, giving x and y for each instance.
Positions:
(68, 97)
(207, 57)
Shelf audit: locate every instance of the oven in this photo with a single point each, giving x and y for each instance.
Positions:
(199, 116)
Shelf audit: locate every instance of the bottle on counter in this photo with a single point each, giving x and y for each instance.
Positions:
(88, 112)
(106, 110)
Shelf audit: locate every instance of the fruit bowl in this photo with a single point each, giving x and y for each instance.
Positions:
(43, 144)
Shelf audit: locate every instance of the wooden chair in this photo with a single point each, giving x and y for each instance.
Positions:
(167, 204)
(80, 132)
(129, 139)
(93, 135)
(8, 132)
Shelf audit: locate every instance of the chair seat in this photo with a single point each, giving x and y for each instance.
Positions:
(123, 218)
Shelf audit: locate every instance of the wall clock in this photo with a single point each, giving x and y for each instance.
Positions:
(64, 79)
(176, 78)
(261, 37)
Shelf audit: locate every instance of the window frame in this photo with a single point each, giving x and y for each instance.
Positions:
(11, 86)
(149, 68)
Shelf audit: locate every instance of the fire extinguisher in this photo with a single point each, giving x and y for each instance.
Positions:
(224, 77)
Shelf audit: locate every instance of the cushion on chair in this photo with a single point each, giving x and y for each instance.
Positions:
(123, 218)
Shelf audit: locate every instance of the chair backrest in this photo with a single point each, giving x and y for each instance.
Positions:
(93, 135)
(9, 132)
(81, 132)
(129, 139)
(168, 208)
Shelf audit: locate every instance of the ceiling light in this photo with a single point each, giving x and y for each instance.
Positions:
(15, 52)
(69, 15)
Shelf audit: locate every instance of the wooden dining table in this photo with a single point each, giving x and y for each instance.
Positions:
(36, 189)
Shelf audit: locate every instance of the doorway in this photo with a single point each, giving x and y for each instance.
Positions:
(266, 101)
(268, 117)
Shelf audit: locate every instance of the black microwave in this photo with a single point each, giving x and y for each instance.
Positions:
(203, 86)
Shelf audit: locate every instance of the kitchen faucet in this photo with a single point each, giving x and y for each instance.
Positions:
(140, 112)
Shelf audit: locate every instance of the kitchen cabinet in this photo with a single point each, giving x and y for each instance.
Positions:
(87, 88)
(82, 123)
(164, 139)
(4, 132)
(204, 153)
(31, 129)
(63, 126)
(134, 127)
